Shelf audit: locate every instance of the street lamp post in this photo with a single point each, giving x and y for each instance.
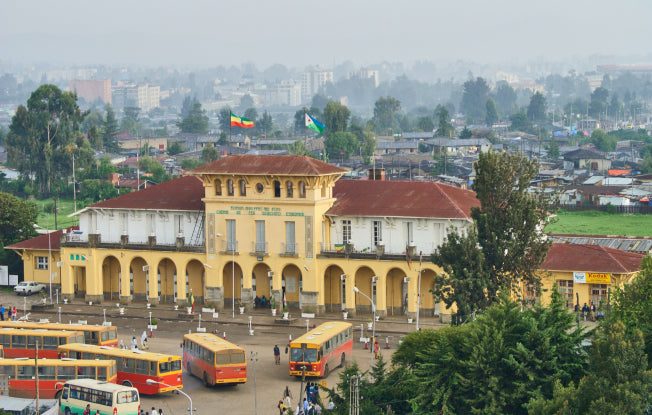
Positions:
(151, 381)
(373, 326)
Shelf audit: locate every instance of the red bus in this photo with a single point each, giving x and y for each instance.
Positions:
(22, 342)
(52, 374)
(98, 335)
(134, 366)
(321, 349)
(213, 359)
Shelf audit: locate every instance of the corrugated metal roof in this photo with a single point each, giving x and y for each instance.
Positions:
(401, 199)
(41, 241)
(591, 258)
(269, 165)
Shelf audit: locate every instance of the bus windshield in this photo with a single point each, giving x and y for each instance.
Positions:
(298, 356)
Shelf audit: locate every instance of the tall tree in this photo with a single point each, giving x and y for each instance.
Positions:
(598, 104)
(336, 118)
(110, 130)
(474, 98)
(505, 245)
(536, 110)
(41, 133)
(195, 122)
(384, 110)
(505, 97)
(444, 126)
(341, 145)
(553, 150)
(425, 124)
(224, 118)
(491, 116)
(265, 124)
(209, 153)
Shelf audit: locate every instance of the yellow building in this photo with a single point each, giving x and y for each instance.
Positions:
(285, 227)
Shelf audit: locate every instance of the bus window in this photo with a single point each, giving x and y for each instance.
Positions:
(126, 397)
(87, 337)
(25, 372)
(222, 359)
(64, 394)
(5, 340)
(129, 365)
(65, 372)
(8, 370)
(88, 356)
(176, 365)
(17, 342)
(94, 338)
(62, 340)
(49, 343)
(31, 342)
(164, 367)
(153, 368)
(237, 357)
(46, 373)
(86, 373)
(104, 336)
(101, 373)
(113, 333)
(142, 367)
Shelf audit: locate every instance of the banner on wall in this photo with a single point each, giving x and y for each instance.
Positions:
(591, 278)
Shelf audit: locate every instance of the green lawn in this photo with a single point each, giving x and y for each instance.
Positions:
(64, 208)
(601, 223)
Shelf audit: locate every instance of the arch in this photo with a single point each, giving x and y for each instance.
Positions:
(292, 284)
(111, 278)
(196, 281)
(232, 274)
(262, 281)
(138, 279)
(289, 189)
(79, 278)
(229, 187)
(395, 291)
(167, 281)
(363, 281)
(218, 187)
(334, 297)
(427, 306)
(242, 185)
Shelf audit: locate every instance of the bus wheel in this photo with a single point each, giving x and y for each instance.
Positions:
(127, 383)
(206, 383)
(188, 368)
(326, 371)
(67, 411)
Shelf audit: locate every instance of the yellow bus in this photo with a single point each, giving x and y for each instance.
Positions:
(322, 348)
(102, 397)
(98, 335)
(22, 342)
(52, 374)
(134, 367)
(213, 359)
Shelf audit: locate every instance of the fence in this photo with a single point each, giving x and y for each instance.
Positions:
(643, 209)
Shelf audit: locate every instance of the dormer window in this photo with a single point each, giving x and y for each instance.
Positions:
(229, 186)
(218, 188)
(288, 186)
(243, 188)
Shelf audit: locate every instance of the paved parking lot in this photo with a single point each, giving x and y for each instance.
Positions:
(265, 382)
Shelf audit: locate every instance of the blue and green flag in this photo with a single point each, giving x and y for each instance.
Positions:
(314, 124)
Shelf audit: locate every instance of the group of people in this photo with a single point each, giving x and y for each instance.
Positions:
(309, 406)
(261, 302)
(12, 313)
(134, 342)
(87, 411)
(154, 412)
(590, 311)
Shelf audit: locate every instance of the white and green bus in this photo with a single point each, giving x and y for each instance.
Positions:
(108, 398)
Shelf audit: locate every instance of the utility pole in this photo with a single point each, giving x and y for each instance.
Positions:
(303, 375)
(36, 377)
(354, 395)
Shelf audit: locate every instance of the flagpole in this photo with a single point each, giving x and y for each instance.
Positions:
(230, 115)
(305, 129)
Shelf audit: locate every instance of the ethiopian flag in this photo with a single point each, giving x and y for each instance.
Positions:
(241, 122)
(314, 125)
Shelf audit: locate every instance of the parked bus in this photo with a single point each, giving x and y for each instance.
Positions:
(98, 335)
(213, 359)
(134, 366)
(108, 398)
(321, 349)
(52, 374)
(22, 342)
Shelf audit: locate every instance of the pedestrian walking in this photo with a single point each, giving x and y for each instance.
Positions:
(154, 411)
(14, 314)
(287, 396)
(2, 312)
(143, 341)
(134, 345)
(87, 411)
(277, 354)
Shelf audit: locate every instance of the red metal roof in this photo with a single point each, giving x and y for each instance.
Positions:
(401, 199)
(41, 241)
(239, 164)
(591, 258)
(184, 193)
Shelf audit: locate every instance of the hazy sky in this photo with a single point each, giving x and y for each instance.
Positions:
(265, 32)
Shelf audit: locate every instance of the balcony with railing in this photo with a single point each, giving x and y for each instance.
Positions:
(80, 239)
(289, 249)
(229, 247)
(259, 248)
